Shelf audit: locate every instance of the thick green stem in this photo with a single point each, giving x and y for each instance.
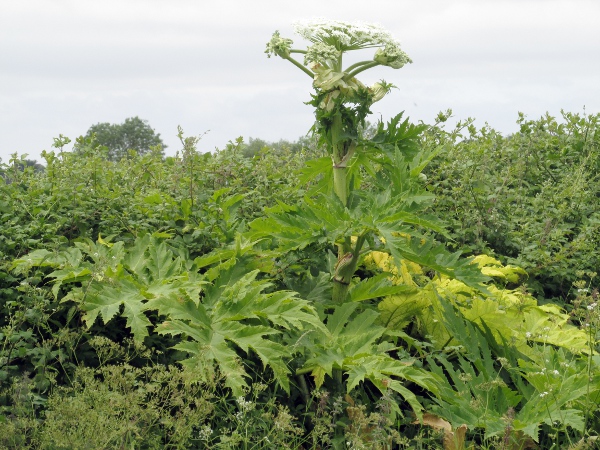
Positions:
(303, 388)
(342, 150)
(299, 66)
(355, 65)
(340, 185)
(362, 68)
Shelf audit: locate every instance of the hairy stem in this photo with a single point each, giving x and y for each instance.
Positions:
(340, 185)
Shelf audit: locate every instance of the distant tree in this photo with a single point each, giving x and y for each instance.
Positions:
(133, 134)
(11, 172)
(37, 167)
(255, 145)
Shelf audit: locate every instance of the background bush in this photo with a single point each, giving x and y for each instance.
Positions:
(532, 198)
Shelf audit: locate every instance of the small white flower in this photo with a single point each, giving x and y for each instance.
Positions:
(528, 335)
(321, 53)
(556, 372)
(205, 433)
(543, 394)
(245, 406)
(592, 306)
(344, 35)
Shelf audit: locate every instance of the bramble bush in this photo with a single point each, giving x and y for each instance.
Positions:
(530, 198)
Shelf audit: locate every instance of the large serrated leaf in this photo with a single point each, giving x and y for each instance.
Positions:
(135, 259)
(238, 315)
(375, 287)
(160, 263)
(105, 301)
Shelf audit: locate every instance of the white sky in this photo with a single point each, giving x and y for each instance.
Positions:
(68, 64)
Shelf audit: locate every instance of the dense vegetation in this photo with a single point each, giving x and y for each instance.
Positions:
(97, 255)
(309, 294)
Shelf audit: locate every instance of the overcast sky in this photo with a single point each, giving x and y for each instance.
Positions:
(68, 64)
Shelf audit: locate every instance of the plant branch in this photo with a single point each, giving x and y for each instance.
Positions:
(362, 68)
(300, 66)
(358, 64)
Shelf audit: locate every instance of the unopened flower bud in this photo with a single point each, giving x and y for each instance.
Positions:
(391, 56)
(380, 89)
(279, 46)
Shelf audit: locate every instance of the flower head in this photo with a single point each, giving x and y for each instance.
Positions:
(321, 52)
(344, 35)
(391, 55)
(278, 46)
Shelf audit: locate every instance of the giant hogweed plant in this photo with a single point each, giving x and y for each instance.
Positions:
(367, 195)
(367, 203)
(391, 160)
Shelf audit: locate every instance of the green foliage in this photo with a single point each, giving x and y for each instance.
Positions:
(17, 164)
(512, 395)
(352, 343)
(256, 146)
(235, 313)
(531, 198)
(512, 315)
(152, 250)
(112, 406)
(82, 195)
(112, 281)
(133, 134)
(233, 310)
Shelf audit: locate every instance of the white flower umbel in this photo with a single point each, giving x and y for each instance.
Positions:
(331, 38)
(344, 35)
